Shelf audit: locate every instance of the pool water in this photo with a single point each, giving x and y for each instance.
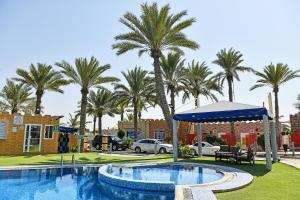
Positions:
(179, 174)
(65, 184)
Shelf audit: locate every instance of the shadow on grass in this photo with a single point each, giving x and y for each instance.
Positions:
(258, 169)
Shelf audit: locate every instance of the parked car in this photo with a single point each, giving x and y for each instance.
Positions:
(117, 143)
(207, 149)
(149, 145)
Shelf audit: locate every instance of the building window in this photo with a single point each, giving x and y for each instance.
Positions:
(48, 132)
(251, 130)
(159, 134)
(186, 130)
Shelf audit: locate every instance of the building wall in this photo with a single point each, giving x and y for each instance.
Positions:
(187, 129)
(295, 123)
(14, 143)
(143, 127)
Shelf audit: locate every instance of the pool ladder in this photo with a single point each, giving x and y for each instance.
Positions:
(62, 159)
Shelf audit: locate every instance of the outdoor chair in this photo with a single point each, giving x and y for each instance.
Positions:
(246, 157)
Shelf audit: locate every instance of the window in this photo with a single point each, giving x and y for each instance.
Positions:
(48, 132)
(159, 134)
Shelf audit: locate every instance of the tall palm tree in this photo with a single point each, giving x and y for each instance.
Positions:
(101, 103)
(231, 63)
(154, 31)
(73, 121)
(87, 74)
(200, 81)
(173, 72)
(15, 97)
(274, 76)
(139, 88)
(42, 78)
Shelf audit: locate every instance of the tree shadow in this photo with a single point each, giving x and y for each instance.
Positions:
(258, 169)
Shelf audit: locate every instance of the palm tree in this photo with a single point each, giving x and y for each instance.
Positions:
(199, 81)
(129, 117)
(173, 73)
(274, 76)
(87, 74)
(15, 96)
(298, 103)
(231, 63)
(73, 121)
(30, 107)
(154, 31)
(140, 89)
(42, 78)
(101, 103)
(122, 105)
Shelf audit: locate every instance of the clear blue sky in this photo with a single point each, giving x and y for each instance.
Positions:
(51, 30)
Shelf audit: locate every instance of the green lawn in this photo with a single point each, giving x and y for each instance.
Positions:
(282, 183)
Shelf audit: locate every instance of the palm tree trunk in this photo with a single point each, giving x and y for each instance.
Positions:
(230, 90)
(172, 95)
(277, 115)
(122, 114)
(160, 91)
(139, 115)
(94, 125)
(100, 125)
(230, 93)
(38, 104)
(84, 93)
(135, 121)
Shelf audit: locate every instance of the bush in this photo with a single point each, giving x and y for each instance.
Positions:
(212, 139)
(121, 134)
(185, 150)
(261, 141)
(74, 149)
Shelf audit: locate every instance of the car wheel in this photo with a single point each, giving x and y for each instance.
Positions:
(98, 147)
(193, 152)
(138, 150)
(162, 150)
(114, 148)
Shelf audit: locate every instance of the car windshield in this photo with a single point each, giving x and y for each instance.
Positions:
(115, 138)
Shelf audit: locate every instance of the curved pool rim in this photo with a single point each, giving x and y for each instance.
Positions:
(164, 186)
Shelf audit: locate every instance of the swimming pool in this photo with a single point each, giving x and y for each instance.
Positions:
(77, 183)
(178, 174)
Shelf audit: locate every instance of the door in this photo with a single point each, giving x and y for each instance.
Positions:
(32, 139)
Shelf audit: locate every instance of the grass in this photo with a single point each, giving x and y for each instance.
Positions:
(282, 183)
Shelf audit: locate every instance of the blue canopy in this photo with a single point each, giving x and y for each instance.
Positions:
(64, 129)
(223, 111)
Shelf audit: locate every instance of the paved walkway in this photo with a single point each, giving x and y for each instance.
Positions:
(295, 162)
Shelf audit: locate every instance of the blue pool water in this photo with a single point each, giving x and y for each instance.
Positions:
(65, 184)
(179, 174)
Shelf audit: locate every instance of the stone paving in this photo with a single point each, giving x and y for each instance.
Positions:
(295, 162)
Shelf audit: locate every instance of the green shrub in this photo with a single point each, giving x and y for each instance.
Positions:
(74, 149)
(121, 134)
(212, 139)
(261, 141)
(185, 150)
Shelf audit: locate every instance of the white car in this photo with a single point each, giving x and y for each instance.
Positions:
(151, 145)
(207, 149)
